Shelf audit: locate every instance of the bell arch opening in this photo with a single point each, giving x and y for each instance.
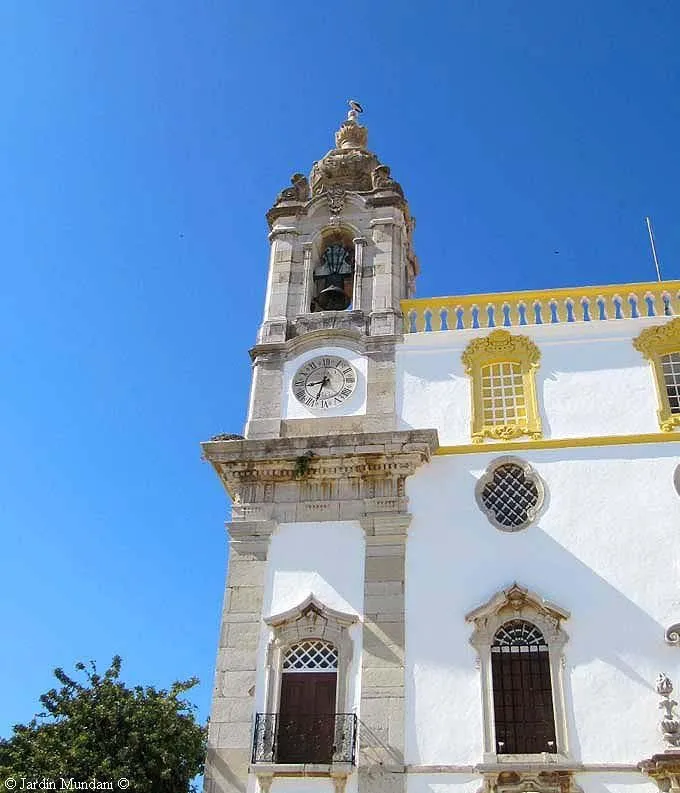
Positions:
(333, 272)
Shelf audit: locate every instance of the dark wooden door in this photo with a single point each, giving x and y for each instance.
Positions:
(306, 717)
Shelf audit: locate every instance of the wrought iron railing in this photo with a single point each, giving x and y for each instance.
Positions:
(304, 739)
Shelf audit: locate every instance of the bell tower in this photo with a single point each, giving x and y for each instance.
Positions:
(323, 457)
(341, 260)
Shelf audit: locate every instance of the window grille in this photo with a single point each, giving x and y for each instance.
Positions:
(311, 655)
(670, 365)
(524, 719)
(503, 399)
(511, 496)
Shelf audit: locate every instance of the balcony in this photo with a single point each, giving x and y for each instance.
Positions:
(319, 740)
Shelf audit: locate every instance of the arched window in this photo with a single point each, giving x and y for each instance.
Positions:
(524, 719)
(519, 638)
(333, 275)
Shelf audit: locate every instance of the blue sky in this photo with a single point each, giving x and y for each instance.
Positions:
(140, 146)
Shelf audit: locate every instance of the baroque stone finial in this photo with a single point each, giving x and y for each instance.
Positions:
(351, 134)
(670, 726)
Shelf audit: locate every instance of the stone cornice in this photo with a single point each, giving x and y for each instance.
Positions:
(336, 477)
(664, 769)
(340, 336)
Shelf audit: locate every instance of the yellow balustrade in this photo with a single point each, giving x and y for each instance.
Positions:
(515, 309)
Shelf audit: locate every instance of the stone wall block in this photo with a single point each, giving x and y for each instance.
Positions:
(235, 735)
(237, 659)
(232, 709)
(385, 588)
(383, 604)
(244, 572)
(378, 677)
(242, 635)
(237, 684)
(381, 568)
(245, 598)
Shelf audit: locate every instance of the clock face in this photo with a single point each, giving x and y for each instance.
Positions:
(324, 382)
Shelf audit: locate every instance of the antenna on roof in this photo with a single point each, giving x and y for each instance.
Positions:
(653, 245)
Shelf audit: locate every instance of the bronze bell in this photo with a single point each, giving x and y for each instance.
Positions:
(333, 298)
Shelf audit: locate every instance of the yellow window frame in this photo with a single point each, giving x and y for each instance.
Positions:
(501, 346)
(654, 343)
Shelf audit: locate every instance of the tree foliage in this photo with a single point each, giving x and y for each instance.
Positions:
(99, 728)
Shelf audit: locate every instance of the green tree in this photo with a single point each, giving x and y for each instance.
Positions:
(99, 728)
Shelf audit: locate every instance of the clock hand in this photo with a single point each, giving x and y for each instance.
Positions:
(324, 382)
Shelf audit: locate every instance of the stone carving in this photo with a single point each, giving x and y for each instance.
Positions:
(335, 195)
(664, 769)
(227, 436)
(654, 343)
(501, 342)
(672, 634)
(659, 339)
(349, 168)
(530, 782)
(298, 192)
(670, 726)
(381, 180)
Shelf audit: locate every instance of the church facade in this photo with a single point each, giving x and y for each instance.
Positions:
(453, 544)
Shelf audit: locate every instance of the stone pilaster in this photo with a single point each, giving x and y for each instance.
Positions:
(359, 243)
(381, 738)
(231, 719)
(264, 415)
(307, 279)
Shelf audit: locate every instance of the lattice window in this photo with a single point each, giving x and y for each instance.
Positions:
(503, 397)
(670, 365)
(510, 494)
(502, 367)
(311, 655)
(518, 634)
(524, 718)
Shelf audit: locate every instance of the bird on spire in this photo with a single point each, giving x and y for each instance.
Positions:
(355, 109)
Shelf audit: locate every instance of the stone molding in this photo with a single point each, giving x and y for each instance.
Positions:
(333, 477)
(552, 781)
(664, 769)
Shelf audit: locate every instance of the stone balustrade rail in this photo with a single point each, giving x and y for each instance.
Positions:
(512, 309)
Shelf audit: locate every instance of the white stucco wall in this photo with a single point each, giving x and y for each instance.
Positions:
(355, 405)
(591, 381)
(605, 548)
(327, 560)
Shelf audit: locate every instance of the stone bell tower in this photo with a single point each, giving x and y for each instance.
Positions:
(341, 261)
(322, 461)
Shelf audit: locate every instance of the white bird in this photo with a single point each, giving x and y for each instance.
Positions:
(355, 106)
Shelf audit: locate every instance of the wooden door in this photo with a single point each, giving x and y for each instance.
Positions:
(306, 717)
